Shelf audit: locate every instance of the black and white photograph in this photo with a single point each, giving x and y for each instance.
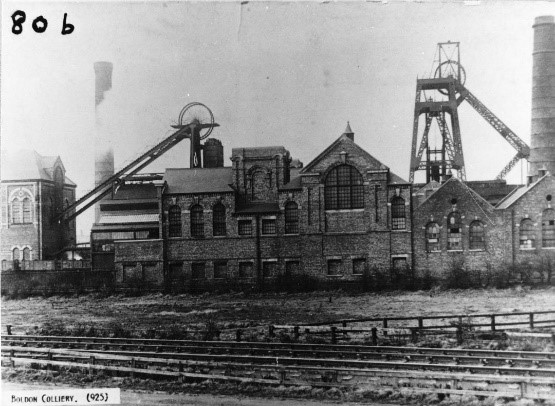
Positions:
(280, 203)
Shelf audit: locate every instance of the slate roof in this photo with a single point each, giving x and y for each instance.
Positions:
(29, 165)
(509, 200)
(136, 191)
(198, 180)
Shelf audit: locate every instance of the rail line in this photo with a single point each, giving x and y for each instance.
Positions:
(405, 375)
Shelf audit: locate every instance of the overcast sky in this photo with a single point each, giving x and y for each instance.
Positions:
(273, 73)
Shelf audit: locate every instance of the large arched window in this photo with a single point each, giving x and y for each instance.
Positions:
(174, 218)
(16, 256)
(398, 217)
(548, 228)
(432, 237)
(26, 254)
(476, 236)
(291, 218)
(218, 220)
(344, 188)
(27, 217)
(454, 231)
(197, 221)
(527, 235)
(17, 211)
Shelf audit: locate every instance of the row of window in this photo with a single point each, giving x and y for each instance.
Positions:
(245, 269)
(219, 223)
(527, 232)
(22, 213)
(24, 254)
(476, 234)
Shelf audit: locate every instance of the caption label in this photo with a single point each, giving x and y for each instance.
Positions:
(55, 397)
(39, 24)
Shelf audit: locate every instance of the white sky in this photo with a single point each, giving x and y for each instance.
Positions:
(273, 73)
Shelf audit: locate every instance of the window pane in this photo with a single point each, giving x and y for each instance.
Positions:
(432, 237)
(334, 267)
(269, 269)
(175, 221)
(16, 255)
(527, 234)
(220, 269)
(218, 220)
(268, 226)
(548, 228)
(197, 221)
(198, 270)
(245, 270)
(398, 220)
(245, 227)
(16, 211)
(291, 218)
(26, 254)
(476, 236)
(344, 188)
(27, 210)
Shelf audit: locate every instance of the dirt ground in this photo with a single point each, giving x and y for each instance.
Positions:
(239, 310)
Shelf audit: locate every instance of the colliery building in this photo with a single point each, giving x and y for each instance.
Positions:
(341, 218)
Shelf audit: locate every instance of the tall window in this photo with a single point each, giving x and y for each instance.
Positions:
(291, 218)
(476, 236)
(16, 256)
(218, 220)
(26, 254)
(454, 231)
(432, 237)
(16, 211)
(27, 210)
(527, 235)
(174, 216)
(344, 188)
(197, 221)
(398, 218)
(548, 228)
(268, 226)
(244, 227)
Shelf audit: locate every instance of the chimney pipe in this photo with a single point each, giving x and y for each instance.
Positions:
(542, 151)
(104, 154)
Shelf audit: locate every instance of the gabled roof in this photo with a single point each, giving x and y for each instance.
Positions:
(393, 178)
(512, 198)
(29, 165)
(198, 180)
(476, 197)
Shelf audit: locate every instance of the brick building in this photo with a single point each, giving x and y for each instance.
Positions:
(267, 215)
(34, 189)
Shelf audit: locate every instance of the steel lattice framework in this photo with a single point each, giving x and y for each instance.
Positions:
(439, 97)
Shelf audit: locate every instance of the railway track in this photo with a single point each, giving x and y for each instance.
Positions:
(489, 372)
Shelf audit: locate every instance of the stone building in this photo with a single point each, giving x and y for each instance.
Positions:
(34, 189)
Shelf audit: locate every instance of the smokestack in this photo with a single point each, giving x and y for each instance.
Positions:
(104, 154)
(542, 151)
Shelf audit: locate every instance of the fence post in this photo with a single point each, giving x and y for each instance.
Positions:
(333, 335)
(344, 324)
(459, 334)
(238, 335)
(553, 338)
(374, 336)
(271, 331)
(413, 336)
(9, 329)
(492, 322)
(531, 320)
(385, 326)
(420, 322)
(306, 333)
(91, 363)
(296, 332)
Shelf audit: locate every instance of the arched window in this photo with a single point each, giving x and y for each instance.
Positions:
(27, 218)
(218, 220)
(16, 256)
(344, 188)
(174, 218)
(476, 236)
(527, 233)
(17, 210)
(291, 218)
(454, 231)
(26, 254)
(197, 221)
(432, 237)
(548, 228)
(398, 218)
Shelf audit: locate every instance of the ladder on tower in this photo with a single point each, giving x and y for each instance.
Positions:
(523, 150)
(109, 185)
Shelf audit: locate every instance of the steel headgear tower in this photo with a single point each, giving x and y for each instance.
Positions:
(542, 154)
(103, 154)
